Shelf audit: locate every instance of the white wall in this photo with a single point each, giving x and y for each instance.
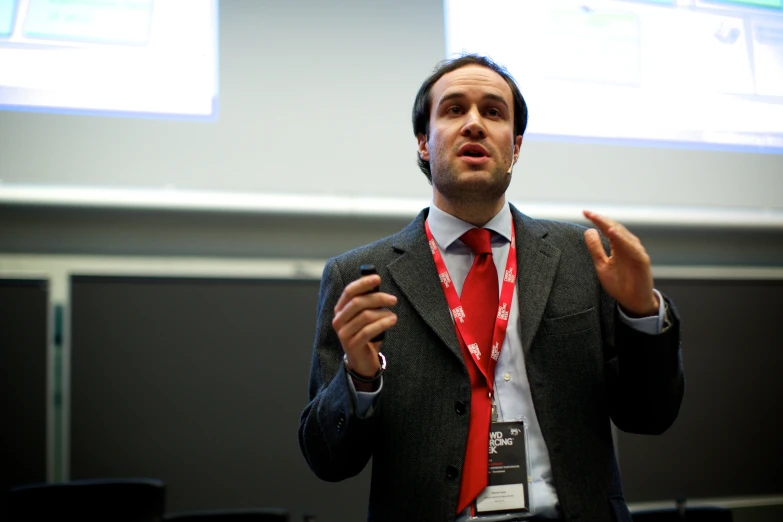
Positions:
(315, 99)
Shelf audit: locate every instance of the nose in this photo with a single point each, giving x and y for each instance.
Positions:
(474, 125)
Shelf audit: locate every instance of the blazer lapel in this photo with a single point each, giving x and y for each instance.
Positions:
(537, 261)
(415, 274)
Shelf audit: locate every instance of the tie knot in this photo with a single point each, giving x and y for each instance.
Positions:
(478, 239)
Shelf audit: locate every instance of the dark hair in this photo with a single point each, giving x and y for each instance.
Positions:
(422, 105)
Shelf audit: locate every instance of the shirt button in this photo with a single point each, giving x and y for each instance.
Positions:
(506, 376)
(459, 407)
(451, 472)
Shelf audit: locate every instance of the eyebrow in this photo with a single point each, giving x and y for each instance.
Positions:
(487, 96)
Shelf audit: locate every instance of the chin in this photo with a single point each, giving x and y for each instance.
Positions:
(474, 186)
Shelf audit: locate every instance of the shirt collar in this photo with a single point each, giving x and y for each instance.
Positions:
(446, 229)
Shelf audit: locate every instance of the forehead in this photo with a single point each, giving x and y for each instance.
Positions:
(472, 80)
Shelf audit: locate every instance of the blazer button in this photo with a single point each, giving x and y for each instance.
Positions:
(460, 407)
(452, 472)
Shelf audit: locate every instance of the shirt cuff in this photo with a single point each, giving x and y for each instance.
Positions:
(365, 401)
(651, 325)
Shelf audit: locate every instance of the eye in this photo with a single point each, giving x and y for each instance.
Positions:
(494, 113)
(454, 109)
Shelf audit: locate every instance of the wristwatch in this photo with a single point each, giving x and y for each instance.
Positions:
(362, 378)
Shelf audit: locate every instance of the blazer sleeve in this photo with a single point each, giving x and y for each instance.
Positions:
(646, 378)
(335, 442)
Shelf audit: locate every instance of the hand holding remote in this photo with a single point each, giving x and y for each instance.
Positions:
(362, 315)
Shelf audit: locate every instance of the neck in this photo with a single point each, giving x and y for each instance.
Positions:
(476, 213)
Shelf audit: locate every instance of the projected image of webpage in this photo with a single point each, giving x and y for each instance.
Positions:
(677, 72)
(124, 57)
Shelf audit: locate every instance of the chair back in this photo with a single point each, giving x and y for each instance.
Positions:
(231, 515)
(689, 514)
(92, 500)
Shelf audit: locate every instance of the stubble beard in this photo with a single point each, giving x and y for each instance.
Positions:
(470, 187)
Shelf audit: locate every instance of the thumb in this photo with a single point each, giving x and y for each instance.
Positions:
(595, 247)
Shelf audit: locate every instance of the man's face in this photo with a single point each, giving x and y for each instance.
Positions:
(471, 143)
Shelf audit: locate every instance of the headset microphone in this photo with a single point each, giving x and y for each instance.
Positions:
(511, 167)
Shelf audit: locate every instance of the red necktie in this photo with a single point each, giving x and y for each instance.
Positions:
(479, 300)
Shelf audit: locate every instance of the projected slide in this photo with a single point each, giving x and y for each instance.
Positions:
(153, 58)
(686, 73)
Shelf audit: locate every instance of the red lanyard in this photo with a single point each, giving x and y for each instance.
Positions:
(462, 321)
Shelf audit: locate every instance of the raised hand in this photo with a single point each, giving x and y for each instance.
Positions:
(626, 274)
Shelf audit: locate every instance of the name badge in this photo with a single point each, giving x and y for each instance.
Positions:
(507, 489)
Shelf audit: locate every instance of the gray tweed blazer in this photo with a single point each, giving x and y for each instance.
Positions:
(586, 369)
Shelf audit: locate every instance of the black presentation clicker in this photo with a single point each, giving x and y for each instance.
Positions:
(366, 270)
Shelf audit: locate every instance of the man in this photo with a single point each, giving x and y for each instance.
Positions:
(586, 339)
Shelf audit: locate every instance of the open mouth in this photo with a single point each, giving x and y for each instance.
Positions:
(473, 153)
(472, 150)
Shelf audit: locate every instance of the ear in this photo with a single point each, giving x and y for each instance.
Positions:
(424, 151)
(517, 147)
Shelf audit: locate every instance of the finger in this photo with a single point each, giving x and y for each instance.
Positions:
(619, 236)
(595, 247)
(371, 330)
(347, 327)
(361, 352)
(358, 287)
(619, 232)
(629, 246)
(374, 301)
(609, 227)
(603, 223)
(626, 244)
(359, 303)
